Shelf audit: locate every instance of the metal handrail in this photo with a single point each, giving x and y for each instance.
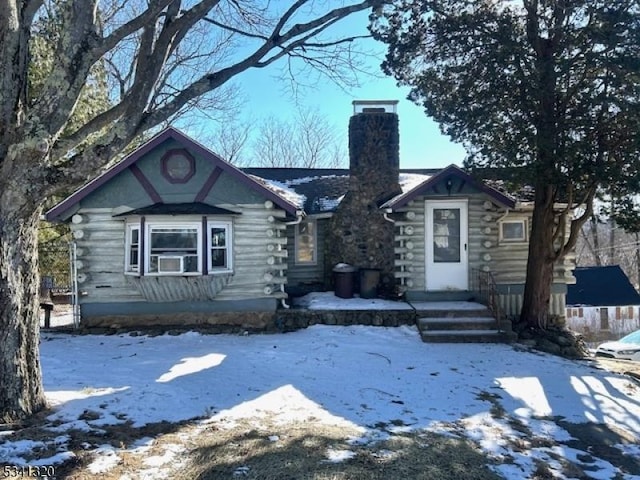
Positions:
(484, 286)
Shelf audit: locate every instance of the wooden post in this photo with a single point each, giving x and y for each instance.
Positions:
(46, 284)
(47, 307)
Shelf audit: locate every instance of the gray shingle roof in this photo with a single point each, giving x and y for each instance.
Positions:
(319, 189)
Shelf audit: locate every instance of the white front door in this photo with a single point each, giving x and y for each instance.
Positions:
(447, 266)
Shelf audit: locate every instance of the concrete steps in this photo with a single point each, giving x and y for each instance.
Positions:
(457, 322)
(462, 336)
(480, 312)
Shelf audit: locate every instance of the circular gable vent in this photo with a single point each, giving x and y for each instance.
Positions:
(178, 166)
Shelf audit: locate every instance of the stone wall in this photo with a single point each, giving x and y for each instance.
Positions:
(258, 321)
(282, 320)
(358, 233)
(289, 320)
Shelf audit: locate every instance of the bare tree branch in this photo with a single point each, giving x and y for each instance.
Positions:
(235, 30)
(29, 9)
(74, 61)
(577, 223)
(151, 95)
(309, 141)
(148, 16)
(254, 60)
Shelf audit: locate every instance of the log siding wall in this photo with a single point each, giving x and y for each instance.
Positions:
(506, 260)
(259, 260)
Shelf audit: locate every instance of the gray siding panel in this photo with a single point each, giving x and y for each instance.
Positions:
(125, 190)
(253, 237)
(100, 244)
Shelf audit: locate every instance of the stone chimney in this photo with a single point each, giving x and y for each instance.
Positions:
(374, 150)
(359, 234)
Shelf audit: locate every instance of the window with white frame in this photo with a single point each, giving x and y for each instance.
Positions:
(174, 249)
(306, 242)
(132, 253)
(219, 246)
(177, 248)
(513, 230)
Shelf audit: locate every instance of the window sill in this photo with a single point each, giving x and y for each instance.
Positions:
(192, 274)
(184, 274)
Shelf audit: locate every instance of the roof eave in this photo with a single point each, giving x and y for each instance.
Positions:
(406, 197)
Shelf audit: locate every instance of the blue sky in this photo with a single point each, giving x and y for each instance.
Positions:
(421, 143)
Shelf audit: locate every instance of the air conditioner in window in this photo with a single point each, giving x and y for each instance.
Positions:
(170, 264)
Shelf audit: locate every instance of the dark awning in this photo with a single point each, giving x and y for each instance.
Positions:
(195, 208)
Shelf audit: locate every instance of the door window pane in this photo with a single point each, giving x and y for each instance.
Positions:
(446, 235)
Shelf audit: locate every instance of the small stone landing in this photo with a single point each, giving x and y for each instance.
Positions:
(458, 322)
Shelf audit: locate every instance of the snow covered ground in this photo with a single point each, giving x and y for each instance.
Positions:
(61, 316)
(328, 301)
(361, 377)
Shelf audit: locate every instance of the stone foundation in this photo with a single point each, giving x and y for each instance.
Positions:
(233, 322)
(289, 320)
(255, 321)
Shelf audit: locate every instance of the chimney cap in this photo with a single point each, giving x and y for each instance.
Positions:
(375, 106)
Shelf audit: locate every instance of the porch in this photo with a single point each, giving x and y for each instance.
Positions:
(447, 316)
(458, 319)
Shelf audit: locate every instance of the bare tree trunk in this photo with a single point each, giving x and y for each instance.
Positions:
(537, 291)
(21, 391)
(612, 242)
(596, 240)
(637, 283)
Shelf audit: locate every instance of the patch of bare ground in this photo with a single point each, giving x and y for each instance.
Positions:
(624, 367)
(266, 449)
(314, 451)
(598, 441)
(83, 443)
(269, 450)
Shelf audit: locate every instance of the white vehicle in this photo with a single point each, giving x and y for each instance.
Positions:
(627, 348)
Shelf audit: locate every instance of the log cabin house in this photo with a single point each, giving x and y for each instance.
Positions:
(174, 234)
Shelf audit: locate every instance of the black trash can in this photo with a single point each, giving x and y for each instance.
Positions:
(369, 279)
(343, 275)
